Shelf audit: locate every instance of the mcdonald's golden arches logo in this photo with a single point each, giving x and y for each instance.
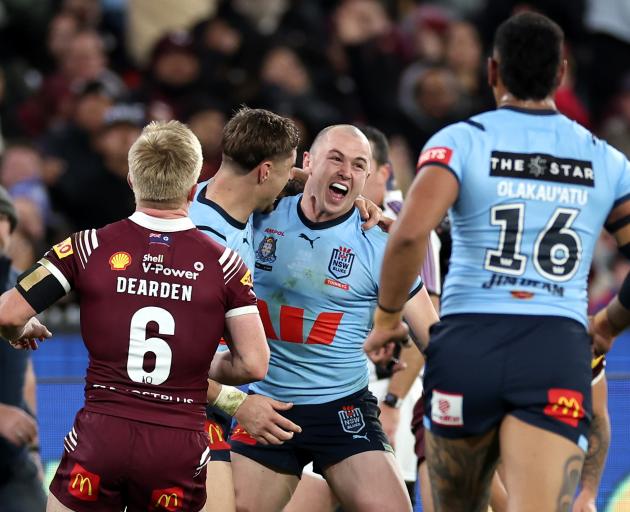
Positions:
(171, 499)
(565, 405)
(83, 484)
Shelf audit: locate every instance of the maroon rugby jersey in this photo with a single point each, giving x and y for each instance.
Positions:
(154, 295)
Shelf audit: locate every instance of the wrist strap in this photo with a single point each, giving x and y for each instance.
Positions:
(229, 399)
(391, 311)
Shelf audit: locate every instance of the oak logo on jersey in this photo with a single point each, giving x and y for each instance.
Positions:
(340, 264)
(83, 484)
(435, 155)
(171, 499)
(63, 249)
(351, 419)
(541, 166)
(565, 405)
(119, 260)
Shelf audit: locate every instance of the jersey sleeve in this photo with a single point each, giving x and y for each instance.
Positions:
(448, 148)
(52, 277)
(430, 272)
(240, 297)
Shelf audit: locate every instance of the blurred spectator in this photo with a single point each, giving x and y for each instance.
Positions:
(61, 31)
(21, 485)
(108, 196)
(207, 119)
(609, 23)
(567, 100)
(286, 88)
(173, 77)
(84, 61)
(426, 29)
(464, 55)
(21, 175)
(430, 98)
(617, 129)
(70, 160)
(375, 53)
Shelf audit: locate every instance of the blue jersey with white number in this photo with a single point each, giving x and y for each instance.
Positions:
(215, 222)
(317, 285)
(535, 189)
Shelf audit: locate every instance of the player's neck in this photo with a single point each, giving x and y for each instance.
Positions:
(233, 194)
(313, 212)
(509, 100)
(172, 213)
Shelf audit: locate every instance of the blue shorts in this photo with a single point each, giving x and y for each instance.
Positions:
(481, 367)
(331, 432)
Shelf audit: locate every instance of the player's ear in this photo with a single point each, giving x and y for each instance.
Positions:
(562, 72)
(264, 170)
(493, 72)
(306, 162)
(130, 180)
(192, 193)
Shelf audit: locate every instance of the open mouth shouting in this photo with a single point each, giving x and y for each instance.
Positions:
(338, 191)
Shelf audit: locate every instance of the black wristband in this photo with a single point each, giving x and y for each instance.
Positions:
(388, 310)
(624, 292)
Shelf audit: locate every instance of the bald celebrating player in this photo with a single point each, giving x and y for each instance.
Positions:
(156, 295)
(317, 273)
(528, 191)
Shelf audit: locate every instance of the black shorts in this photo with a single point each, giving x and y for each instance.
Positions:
(481, 367)
(218, 426)
(331, 432)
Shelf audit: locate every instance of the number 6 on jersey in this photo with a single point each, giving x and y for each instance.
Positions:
(139, 345)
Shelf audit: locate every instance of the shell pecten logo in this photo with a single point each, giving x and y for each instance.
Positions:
(120, 260)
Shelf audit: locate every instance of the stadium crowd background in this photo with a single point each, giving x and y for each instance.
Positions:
(79, 78)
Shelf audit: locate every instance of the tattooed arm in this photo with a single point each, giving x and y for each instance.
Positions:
(598, 440)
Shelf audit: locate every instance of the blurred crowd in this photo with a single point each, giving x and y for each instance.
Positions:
(79, 78)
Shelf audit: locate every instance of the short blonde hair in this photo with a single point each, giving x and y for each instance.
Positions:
(164, 162)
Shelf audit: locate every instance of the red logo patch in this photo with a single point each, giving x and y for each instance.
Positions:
(240, 434)
(216, 436)
(519, 294)
(438, 155)
(336, 284)
(565, 405)
(83, 485)
(171, 499)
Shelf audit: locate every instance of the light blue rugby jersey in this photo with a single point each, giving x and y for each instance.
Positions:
(317, 285)
(535, 190)
(215, 222)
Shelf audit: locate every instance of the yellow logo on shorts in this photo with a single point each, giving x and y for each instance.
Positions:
(63, 249)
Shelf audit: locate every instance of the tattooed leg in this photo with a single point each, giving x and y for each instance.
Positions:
(542, 469)
(461, 470)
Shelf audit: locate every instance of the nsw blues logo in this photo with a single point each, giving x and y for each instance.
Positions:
(351, 419)
(266, 251)
(341, 261)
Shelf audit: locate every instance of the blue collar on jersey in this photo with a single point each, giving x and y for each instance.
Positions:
(532, 111)
(201, 197)
(322, 225)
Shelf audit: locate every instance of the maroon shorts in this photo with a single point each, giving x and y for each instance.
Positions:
(109, 463)
(417, 427)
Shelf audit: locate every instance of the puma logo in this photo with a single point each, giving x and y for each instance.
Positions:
(312, 242)
(357, 436)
